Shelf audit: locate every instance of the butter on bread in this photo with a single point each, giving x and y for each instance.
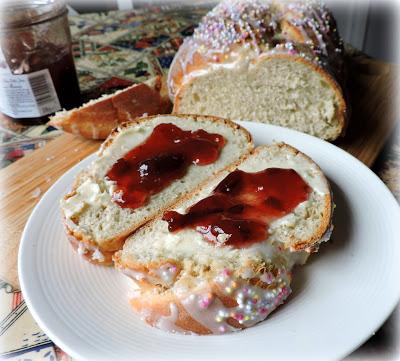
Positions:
(97, 118)
(96, 226)
(189, 285)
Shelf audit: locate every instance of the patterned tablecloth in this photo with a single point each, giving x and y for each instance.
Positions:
(111, 50)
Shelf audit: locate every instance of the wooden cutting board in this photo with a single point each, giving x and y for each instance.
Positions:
(372, 94)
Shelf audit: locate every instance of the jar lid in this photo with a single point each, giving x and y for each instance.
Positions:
(20, 13)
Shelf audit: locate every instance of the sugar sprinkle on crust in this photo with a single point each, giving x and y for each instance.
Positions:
(238, 35)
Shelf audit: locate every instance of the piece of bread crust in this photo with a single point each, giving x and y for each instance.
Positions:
(97, 118)
(109, 246)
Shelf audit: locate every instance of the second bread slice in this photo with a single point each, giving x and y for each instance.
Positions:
(188, 284)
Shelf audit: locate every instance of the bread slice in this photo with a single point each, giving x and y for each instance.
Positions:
(189, 285)
(96, 225)
(97, 118)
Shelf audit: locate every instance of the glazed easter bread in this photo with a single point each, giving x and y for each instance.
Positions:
(269, 61)
(188, 285)
(96, 225)
(97, 118)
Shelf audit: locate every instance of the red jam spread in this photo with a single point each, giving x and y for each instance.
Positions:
(238, 211)
(163, 158)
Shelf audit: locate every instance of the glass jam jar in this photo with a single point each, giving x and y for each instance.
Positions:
(37, 71)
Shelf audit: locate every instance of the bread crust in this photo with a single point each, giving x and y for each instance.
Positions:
(193, 117)
(114, 244)
(96, 119)
(182, 85)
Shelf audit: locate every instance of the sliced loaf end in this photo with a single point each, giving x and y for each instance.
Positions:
(277, 89)
(98, 117)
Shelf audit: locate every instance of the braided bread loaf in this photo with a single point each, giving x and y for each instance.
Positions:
(267, 61)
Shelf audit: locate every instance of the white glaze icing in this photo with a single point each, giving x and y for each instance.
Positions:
(205, 309)
(167, 323)
(164, 275)
(97, 256)
(167, 273)
(83, 248)
(135, 275)
(254, 303)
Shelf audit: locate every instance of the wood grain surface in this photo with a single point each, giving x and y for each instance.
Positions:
(23, 183)
(372, 94)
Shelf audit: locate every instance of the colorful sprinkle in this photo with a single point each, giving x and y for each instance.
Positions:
(256, 25)
(238, 316)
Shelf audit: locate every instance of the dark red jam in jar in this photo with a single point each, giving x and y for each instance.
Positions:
(163, 158)
(238, 211)
(37, 72)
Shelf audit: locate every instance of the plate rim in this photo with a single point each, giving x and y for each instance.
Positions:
(84, 162)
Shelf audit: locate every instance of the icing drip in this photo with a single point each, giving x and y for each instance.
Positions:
(167, 273)
(135, 275)
(164, 275)
(206, 309)
(98, 256)
(85, 248)
(168, 323)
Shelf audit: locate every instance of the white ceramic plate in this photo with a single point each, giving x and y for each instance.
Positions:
(340, 297)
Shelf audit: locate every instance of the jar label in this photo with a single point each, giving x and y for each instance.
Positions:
(27, 95)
